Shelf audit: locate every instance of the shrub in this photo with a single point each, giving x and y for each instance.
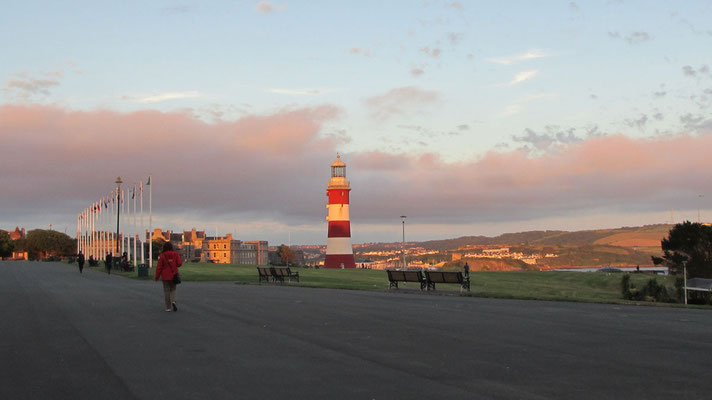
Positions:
(652, 291)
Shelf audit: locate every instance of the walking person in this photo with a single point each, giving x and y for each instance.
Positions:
(80, 261)
(107, 262)
(467, 270)
(168, 263)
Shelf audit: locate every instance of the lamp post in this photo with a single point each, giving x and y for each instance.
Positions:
(684, 278)
(118, 212)
(403, 217)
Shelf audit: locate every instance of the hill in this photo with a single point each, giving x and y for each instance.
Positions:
(532, 249)
(645, 236)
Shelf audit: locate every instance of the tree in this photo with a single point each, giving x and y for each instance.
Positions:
(286, 254)
(157, 245)
(6, 245)
(41, 243)
(689, 243)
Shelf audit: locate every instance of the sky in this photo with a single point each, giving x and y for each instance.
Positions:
(471, 118)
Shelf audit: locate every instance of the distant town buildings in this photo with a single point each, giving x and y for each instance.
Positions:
(17, 233)
(194, 245)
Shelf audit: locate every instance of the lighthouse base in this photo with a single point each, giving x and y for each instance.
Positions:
(336, 260)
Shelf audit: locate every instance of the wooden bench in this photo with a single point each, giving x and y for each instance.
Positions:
(265, 273)
(395, 276)
(433, 277)
(280, 273)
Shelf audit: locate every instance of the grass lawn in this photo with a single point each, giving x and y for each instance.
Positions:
(593, 287)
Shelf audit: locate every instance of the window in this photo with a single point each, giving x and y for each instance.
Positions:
(224, 246)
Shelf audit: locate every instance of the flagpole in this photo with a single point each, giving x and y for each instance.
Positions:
(84, 230)
(101, 225)
(123, 210)
(143, 239)
(135, 231)
(93, 221)
(150, 222)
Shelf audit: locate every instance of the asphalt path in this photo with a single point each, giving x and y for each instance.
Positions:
(66, 335)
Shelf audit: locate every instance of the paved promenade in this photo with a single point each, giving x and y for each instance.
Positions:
(93, 336)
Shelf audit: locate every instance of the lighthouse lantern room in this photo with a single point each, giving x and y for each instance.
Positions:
(339, 253)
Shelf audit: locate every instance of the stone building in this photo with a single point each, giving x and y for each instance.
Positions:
(192, 244)
(261, 249)
(221, 250)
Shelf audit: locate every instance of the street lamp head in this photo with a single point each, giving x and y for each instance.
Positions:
(119, 181)
(403, 216)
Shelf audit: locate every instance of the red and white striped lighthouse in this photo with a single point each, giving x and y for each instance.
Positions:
(339, 253)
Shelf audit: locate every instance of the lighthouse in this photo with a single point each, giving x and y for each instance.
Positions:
(339, 253)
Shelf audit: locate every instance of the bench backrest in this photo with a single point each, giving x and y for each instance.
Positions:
(413, 276)
(404, 276)
(395, 275)
(282, 271)
(444, 276)
(263, 271)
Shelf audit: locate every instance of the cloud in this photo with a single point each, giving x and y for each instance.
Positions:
(434, 52)
(24, 86)
(269, 172)
(636, 37)
(690, 71)
(573, 6)
(637, 123)
(266, 7)
(463, 127)
(523, 77)
(510, 110)
(699, 124)
(528, 55)
(518, 106)
(455, 5)
(177, 9)
(661, 93)
(554, 136)
(598, 173)
(161, 97)
(357, 50)
(416, 72)
(400, 101)
(211, 170)
(299, 92)
(454, 38)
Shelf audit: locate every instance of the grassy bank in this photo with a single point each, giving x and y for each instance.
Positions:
(533, 285)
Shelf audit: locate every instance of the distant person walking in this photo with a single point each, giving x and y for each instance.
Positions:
(168, 263)
(107, 263)
(80, 261)
(467, 270)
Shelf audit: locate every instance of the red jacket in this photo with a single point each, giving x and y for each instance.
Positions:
(168, 264)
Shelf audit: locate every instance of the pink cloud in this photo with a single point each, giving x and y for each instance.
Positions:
(244, 166)
(275, 168)
(613, 173)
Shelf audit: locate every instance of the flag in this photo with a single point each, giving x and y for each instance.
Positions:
(148, 182)
(140, 187)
